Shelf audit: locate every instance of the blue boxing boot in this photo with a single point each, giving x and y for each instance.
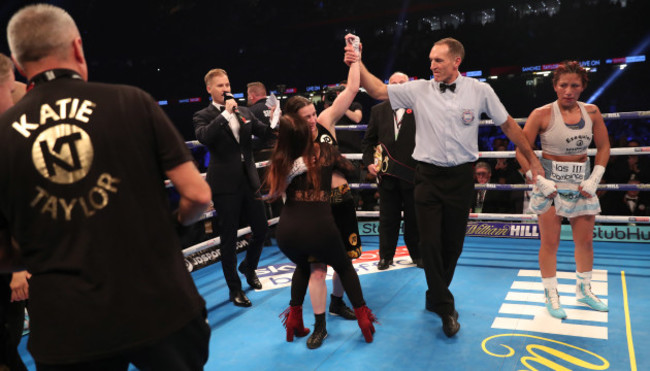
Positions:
(552, 298)
(553, 304)
(584, 294)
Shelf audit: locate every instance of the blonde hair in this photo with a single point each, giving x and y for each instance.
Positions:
(39, 31)
(257, 87)
(212, 73)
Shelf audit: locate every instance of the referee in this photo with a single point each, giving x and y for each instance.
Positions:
(447, 111)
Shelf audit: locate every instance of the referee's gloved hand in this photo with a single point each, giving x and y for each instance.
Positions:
(589, 186)
(546, 186)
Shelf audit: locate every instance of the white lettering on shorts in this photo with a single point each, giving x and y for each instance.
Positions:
(572, 172)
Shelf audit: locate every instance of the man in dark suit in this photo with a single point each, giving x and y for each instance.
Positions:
(225, 129)
(488, 201)
(396, 131)
(632, 203)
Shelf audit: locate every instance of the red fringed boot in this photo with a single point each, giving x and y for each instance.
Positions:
(292, 321)
(366, 319)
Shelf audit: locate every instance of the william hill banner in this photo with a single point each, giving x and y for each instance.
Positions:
(613, 233)
(507, 230)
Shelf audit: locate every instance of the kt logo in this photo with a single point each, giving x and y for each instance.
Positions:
(326, 139)
(63, 153)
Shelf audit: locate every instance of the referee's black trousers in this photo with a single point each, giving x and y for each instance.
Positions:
(443, 197)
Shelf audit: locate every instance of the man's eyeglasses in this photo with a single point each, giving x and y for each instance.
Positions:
(482, 173)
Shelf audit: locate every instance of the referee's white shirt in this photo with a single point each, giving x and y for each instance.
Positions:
(447, 123)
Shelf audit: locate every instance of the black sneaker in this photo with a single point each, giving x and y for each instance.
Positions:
(338, 308)
(317, 337)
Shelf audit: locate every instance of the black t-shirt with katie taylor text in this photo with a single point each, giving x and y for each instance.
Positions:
(81, 190)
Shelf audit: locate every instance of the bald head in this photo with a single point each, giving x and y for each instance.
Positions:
(398, 78)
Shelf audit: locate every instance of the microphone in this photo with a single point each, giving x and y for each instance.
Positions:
(228, 96)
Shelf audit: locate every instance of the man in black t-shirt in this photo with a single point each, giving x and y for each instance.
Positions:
(256, 97)
(262, 148)
(82, 195)
(349, 141)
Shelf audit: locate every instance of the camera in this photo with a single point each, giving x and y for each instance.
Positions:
(332, 93)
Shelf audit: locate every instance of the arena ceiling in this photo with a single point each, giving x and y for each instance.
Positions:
(167, 45)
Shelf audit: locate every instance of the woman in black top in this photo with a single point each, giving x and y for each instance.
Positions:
(341, 201)
(303, 170)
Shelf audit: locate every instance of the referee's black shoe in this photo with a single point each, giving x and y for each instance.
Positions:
(384, 264)
(239, 298)
(251, 278)
(450, 325)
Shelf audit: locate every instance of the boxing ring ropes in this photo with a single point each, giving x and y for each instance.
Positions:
(489, 186)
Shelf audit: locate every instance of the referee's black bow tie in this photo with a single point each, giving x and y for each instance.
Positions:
(444, 87)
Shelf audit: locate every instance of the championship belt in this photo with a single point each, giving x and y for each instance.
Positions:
(387, 165)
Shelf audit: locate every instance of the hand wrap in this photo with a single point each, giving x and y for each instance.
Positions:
(590, 185)
(529, 175)
(546, 186)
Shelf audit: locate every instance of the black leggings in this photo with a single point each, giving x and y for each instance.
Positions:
(308, 229)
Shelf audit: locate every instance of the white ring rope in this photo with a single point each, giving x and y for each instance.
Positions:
(501, 187)
(606, 116)
(487, 154)
(531, 217)
(527, 187)
(590, 152)
(217, 240)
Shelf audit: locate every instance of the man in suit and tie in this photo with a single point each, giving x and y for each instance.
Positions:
(225, 129)
(484, 201)
(395, 132)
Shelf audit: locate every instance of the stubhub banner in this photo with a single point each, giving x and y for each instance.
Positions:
(613, 233)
